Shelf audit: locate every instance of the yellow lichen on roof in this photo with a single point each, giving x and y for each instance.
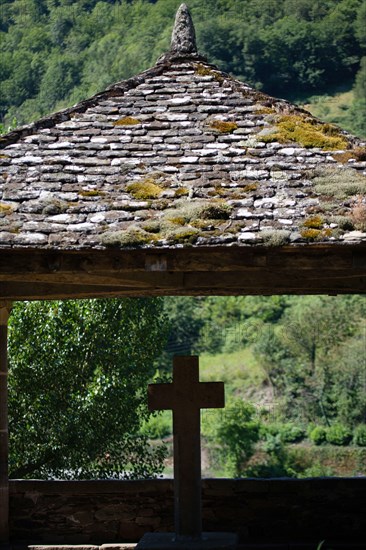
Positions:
(306, 131)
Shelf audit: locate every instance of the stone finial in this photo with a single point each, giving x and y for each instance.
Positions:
(184, 36)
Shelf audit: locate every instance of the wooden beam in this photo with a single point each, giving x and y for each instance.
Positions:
(4, 436)
(262, 282)
(43, 274)
(15, 263)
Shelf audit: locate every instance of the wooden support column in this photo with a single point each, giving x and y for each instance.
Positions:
(5, 308)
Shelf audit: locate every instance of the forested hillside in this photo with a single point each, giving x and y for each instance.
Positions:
(294, 369)
(308, 351)
(57, 52)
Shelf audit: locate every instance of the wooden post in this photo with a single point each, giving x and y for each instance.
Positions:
(5, 308)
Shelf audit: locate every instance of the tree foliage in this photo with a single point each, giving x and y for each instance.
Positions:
(315, 359)
(233, 433)
(78, 372)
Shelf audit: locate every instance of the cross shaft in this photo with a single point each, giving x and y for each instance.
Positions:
(185, 397)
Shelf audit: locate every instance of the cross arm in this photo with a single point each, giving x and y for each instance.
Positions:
(160, 397)
(212, 395)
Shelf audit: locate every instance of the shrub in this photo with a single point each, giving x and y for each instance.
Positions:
(317, 470)
(158, 426)
(290, 433)
(318, 435)
(338, 434)
(279, 462)
(359, 435)
(233, 434)
(271, 429)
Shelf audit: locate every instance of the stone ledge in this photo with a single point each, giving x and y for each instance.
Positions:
(258, 546)
(63, 547)
(120, 546)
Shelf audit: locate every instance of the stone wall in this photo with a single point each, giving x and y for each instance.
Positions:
(97, 512)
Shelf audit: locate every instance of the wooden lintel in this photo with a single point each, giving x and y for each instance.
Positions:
(16, 262)
(199, 284)
(192, 271)
(280, 277)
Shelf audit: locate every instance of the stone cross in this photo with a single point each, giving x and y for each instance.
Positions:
(185, 397)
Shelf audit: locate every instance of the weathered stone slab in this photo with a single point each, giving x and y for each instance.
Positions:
(63, 547)
(208, 541)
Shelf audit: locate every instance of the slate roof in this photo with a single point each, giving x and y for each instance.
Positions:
(181, 155)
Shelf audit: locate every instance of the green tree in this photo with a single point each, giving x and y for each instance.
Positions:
(185, 323)
(233, 322)
(78, 372)
(349, 390)
(357, 112)
(232, 433)
(300, 356)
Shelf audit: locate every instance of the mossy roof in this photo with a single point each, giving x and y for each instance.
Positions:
(181, 155)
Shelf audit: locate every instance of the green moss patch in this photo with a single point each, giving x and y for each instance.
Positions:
(315, 222)
(188, 211)
(186, 222)
(131, 237)
(177, 220)
(265, 110)
(152, 226)
(311, 234)
(181, 192)
(146, 189)
(339, 182)
(204, 225)
(127, 121)
(203, 70)
(306, 131)
(250, 187)
(151, 187)
(313, 229)
(182, 224)
(275, 237)
(182, 235)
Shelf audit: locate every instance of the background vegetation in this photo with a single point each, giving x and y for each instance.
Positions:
(294, 370)
(57, 52)
(295, 376)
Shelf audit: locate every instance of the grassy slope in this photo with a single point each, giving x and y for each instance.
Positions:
(333, 107)
(239, 370)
